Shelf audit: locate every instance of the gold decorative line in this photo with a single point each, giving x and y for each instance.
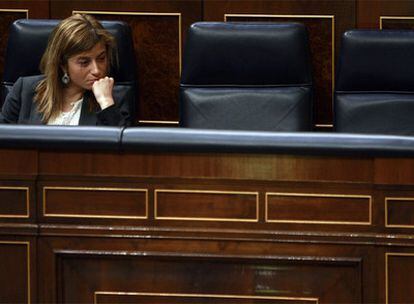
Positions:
(386, 277)
(12, 10)
(332, 17)
(399, 254)
(277, 16)
(369, 197)
(28, 262)
(27, 215)
(144, 14)
(165, 122)
(324, 125)
(386, 211)
(123, 13)
(194, 295)
(393, 18)
(95, 215)
(333, 60)
(387, 254)
(156, 191)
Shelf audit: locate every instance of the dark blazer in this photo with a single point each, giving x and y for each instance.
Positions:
(20, 108)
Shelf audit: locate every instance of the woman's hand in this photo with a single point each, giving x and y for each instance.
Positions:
(102, 89)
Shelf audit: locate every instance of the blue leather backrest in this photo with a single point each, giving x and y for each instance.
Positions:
(246, 76)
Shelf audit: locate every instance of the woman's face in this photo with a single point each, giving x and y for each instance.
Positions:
(87, 67)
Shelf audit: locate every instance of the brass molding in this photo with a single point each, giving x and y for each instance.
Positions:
(163, 122)
(277, 16)
(27, 244)
(327, 126)
(144, 14)
(12, 10)
(27, 215)
(156, 191)
(369, 197)
(386, 211)
(194, 295)
(393, 18)
(332, 17)
(95, 215)
(387, 254)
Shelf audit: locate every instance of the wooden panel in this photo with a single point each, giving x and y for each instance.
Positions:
(399, 212)
(394, 171)
(95, 202)
(207, 205)
(370, 11)
(313, 208)
(206, 277)
(11, 10)
(324, 35)
(390, 22)
(234, 166)
(37, 9)
(14, 202)
(151, 298)
(7, 17)
(399, 272)
(204, 262)
(159, 30)
(19, 162)
(15, 272)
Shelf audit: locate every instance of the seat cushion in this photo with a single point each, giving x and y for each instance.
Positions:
(266, 109)
(375, 113)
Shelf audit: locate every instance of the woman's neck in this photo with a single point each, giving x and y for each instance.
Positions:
(70, 95)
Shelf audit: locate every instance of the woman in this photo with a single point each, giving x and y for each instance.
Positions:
(75, 88)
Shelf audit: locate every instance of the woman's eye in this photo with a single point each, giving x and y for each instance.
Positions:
(83, 62)
(101, 59)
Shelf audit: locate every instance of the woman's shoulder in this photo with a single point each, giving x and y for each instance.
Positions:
(29, 81)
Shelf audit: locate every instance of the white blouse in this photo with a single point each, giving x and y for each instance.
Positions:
(70, 118)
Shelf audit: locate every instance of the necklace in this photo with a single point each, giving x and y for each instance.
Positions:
(70, 117)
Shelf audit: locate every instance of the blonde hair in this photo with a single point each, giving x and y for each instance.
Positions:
(73, 35)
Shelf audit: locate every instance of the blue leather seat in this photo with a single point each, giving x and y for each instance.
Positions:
(246, 76)
(375, 83)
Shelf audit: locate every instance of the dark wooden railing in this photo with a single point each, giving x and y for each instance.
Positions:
(279, 218)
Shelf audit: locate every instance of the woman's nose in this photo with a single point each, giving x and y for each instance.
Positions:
(94, 67)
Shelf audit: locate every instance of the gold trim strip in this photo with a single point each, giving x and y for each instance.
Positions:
(27, 202)
(278, 16)
(387, 254)
(369, 197)
(145, 14)
(27, 243)
(386, 210)
(17, 10)
(156, 191)
(123, 13)
(393, 18)
(332, 17)
(166, 122)
(324, 125)
(95, 215)
(193, 295)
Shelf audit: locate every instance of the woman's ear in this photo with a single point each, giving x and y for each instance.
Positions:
(64, 69)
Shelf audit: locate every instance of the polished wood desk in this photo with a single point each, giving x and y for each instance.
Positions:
(190, 227)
